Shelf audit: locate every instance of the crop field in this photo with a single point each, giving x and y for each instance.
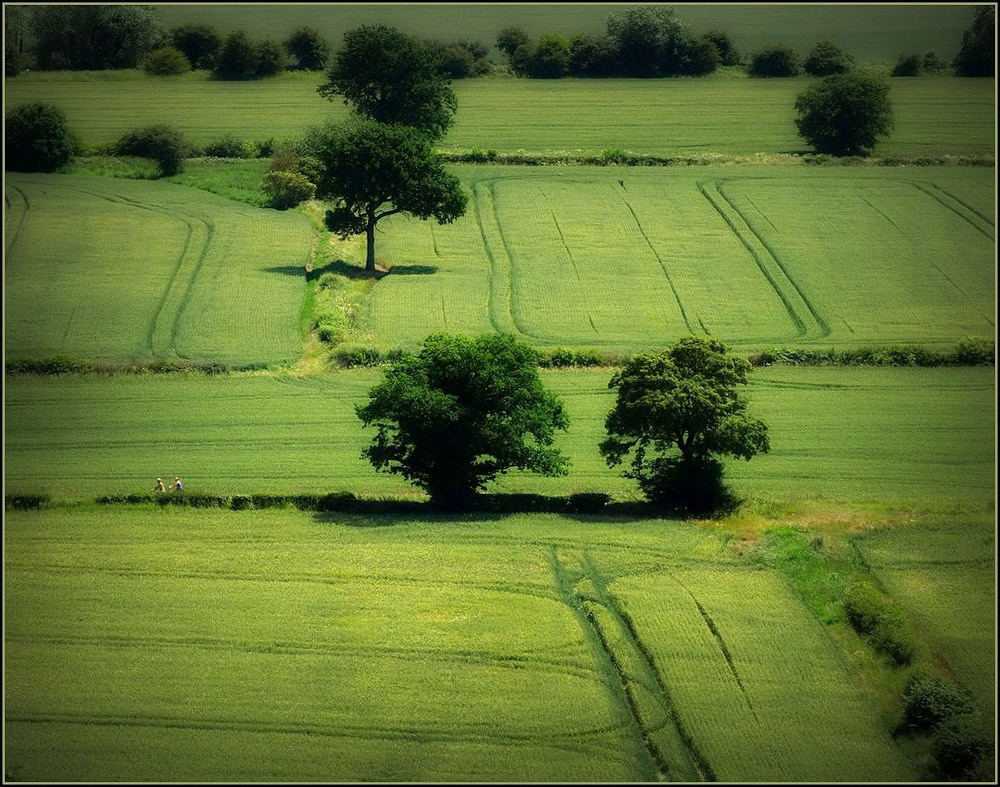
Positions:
(838, 434)
(113, 269)
(624, 258)
(165, 645)
(934, 116)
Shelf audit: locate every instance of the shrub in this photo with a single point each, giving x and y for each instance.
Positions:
(37, 139)
(24, 502)
(828, 58)
(928, 701)
(729, 55)
(775, 60)
(166, 61)
(976, 351)
(269, 58)
(163, 144)
(308, 48)
(880, 621)
(229, 146)
(199, 43)
(959, 746)
(907, 66)
(237, 58)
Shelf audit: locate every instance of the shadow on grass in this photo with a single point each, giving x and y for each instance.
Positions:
(351, 271)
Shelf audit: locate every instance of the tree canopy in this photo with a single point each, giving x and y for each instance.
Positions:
(652, 40)
(371, 170)
(462, 412)
(675, 412)
(845, 114)
(978, 55)
(391, 77)
(37, 139)
(94, 37)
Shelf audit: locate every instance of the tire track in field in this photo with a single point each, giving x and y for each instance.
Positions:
(950, 201)
(621, 655)
(10, 240)
(761, 252)
(501, 314)
(663, 266)
(474, 733)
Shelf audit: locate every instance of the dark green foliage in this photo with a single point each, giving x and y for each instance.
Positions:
(652, 41)
(370, 170)
(287, 189)
(593, 56)
(37, 139)
(60, 364)
(200, 44)
(308, 50)
(978, 55)
(845, 114)
(550, 58)
(907, 66)
(237, 58)
(164, 144)
(16, 28)
(775, 60)
(729, 55)
(674, 413)
(879, 620)
(828, 58)
(229, 146)
(390, 77)
(932, 64)
(166, 61)
(960, 747)
(928, 701)
(971, 351)
(25, 502)
(462, 412)
(976, 351)
(270, 58)
(461, 59)
(94, 37)
(510, 39)
(702, 57)
(587, 502)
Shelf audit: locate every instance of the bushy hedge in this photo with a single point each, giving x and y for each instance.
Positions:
(161, 143)
(928, 701)
(66, 365)
(880, 621)
(961, 747)
(28, 502)
(971, 351)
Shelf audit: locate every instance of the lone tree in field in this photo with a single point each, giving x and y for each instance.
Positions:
(390, 77)
(676, 411)
(371, 170)
(37, 139)
(462, 412)
(845, 114)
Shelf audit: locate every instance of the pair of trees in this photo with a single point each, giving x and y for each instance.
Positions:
(464, 411)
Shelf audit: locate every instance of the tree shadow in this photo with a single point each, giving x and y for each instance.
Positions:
(351, 271)
(287, 270)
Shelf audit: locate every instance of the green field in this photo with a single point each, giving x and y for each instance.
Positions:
(271, 646)
(934, 116)
(113, 269)
(862, 435)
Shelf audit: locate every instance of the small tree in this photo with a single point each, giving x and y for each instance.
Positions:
(164, 144)
(270, 59)
(907, 66)
(775, 60)
(308, 48)
(462, 412)
(729, 55)
(675, 412)
(702, 57)
(845, 114)
(828, 58)
(551, 57)
(200, 44)
(371, 170)
(37, 139)
(652, 40)
(593, 56)
(237, 57)
(390, 77)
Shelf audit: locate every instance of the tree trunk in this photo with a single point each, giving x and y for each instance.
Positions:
(370, 231)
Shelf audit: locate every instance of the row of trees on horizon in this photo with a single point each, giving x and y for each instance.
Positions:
(641, 41)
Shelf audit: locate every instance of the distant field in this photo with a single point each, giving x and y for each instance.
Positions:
(148, 645)
(870, 32)
(621, 259)
(112, 269)
(837, 434)
(934, 115)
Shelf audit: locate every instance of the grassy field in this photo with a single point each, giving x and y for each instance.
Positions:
(113, 269)
(870, 32)
(165, 645)
(878, 437)
(669, 117)
(624, 259)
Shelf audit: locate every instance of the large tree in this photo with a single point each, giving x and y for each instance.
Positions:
(652, 40)
(845, 114)
(371, 170)
(388, 76)
(94, 36)
(675, 413)
(978, 56)
(462, 412)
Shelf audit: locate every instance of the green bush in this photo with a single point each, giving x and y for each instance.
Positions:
(775, 60)
(37, 139)
(162, 143)
(960, 745)
(24, 502)
(880, 621)
(229, 146)
(166, 61)
(976, 351)
(828, 58)
(287, 189)
(907, 66)
(928, 701)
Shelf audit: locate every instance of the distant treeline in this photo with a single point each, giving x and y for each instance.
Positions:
(641, 41)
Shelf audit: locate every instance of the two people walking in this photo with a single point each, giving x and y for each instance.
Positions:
(177, 485)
